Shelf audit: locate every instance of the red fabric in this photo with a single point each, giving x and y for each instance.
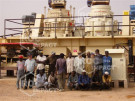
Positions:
(68, 14)
(70, 23)
(21, 57)
(75, 50)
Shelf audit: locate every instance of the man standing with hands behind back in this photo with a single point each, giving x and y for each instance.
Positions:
(61, 69)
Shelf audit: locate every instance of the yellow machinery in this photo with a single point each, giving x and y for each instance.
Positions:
(57, 30)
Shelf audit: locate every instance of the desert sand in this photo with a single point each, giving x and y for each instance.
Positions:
(8, 92)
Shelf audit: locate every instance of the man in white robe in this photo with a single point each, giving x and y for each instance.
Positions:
(79, 63)
(70, 63)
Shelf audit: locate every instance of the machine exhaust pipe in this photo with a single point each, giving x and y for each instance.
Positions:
(130, 45)
(70, 10)
(74, 13)
(45, 11)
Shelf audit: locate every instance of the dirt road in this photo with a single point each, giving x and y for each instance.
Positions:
(8, 92)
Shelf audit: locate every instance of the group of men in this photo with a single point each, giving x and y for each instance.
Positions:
(82, 73)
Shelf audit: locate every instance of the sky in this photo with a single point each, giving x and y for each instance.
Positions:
(15, 9)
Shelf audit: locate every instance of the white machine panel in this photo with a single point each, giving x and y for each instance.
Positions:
(119, 67)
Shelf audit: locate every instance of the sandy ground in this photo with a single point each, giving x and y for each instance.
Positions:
(8, 92)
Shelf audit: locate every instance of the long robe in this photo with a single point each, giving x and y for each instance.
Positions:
(79, 64)
(89, 66)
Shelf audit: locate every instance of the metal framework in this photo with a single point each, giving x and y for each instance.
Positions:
(18, 30)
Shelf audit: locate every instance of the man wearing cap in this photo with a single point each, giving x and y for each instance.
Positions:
(20, 71)
(40, 62)
(30, 67)
(51, 61)
(79, 63)
(41, 79)
(84, 81)
(106, 78)
(107, 63)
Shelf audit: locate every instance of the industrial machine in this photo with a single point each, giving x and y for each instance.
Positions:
(9, 55)
(119, 70)
(99, 30)
(89, 2)
(132, 18)
(59, 26)
(59, 21)
(97, 2)
(29, 22)
(11, 51)
(100, 22)
(60, 18)
(57, 3)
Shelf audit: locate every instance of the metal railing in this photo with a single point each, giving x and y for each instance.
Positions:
(81, 24)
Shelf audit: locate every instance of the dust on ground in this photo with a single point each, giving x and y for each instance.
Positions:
(8, 92)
